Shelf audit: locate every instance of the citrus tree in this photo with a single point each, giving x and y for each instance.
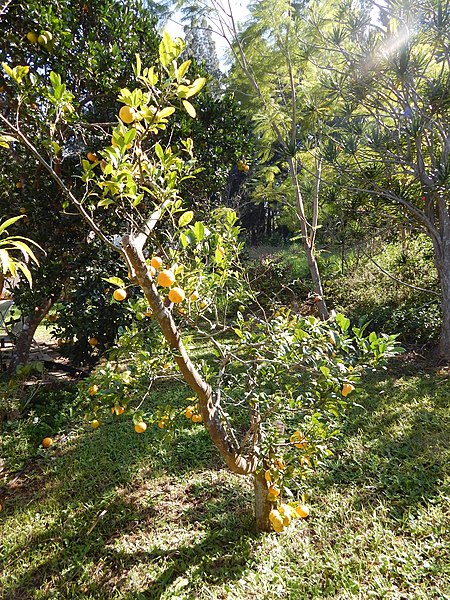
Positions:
(90, 46)
(270, 398)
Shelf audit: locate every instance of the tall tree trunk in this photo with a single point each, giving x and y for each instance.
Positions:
(262, 505)
(316, 279)
(444, 276)
(308, 232)
(24, 340)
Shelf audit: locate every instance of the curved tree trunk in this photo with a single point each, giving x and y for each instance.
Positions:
(243, 465)
(24, 339)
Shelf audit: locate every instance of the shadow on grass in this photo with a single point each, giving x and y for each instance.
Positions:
(396, 444)
(112, 502)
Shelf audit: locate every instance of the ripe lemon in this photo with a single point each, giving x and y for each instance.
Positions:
(346, 389)
(302, 511)
(286, 513)
(278, 527)
(19, 185)
(189, 412)
(162, 423)
(273, 492)
(47, 442)
(176, 295)
(149, 313)
(140, 427)
(118, 410)
(119, 294)
(91, 156)
(267, 476)
(194, 296)
(127, 114)
(93, 341)
(95, 424)
(274, 514)
(32, 37)
(93, 390)
(197, 418)
(156, 262)
(166, 278)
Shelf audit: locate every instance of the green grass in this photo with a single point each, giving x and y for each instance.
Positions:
(111, 514)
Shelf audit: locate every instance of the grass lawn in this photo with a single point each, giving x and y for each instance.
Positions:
(111, 514)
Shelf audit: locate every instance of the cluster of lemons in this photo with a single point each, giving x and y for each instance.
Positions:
(282, 517)
(193, 414)
(166, 279)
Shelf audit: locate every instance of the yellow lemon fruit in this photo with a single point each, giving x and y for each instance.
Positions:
(32, 37)
(346, 389)
(176, 295)
(140, 427)
(302, 511)
(166, 278)
(156, 262)
(47, 442)
(119, 294)
(127, 114)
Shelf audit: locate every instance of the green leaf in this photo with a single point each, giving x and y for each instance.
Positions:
(195, 87)
(165, 112)
(9, 222)
(129, 136)
(169, 49)
(159, 151)
(218, 256)
(16, 73)
(325, 370)
(185, 218)
(25, 249)
(199, 231)
(182, 69)
(26, 271)
(343, 322)
(137, 68)
(115, 281)
(189, 109)
(5, 140)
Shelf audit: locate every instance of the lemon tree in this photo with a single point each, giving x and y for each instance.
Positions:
(273, 386)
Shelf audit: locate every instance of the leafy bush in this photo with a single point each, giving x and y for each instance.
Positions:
(366, 293)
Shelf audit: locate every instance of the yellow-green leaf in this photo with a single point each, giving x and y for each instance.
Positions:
(185, 218)
(189, 109)
(195, 87)
(165, 112)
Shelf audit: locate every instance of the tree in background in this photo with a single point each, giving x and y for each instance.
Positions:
(392, 138)
(276, 79)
